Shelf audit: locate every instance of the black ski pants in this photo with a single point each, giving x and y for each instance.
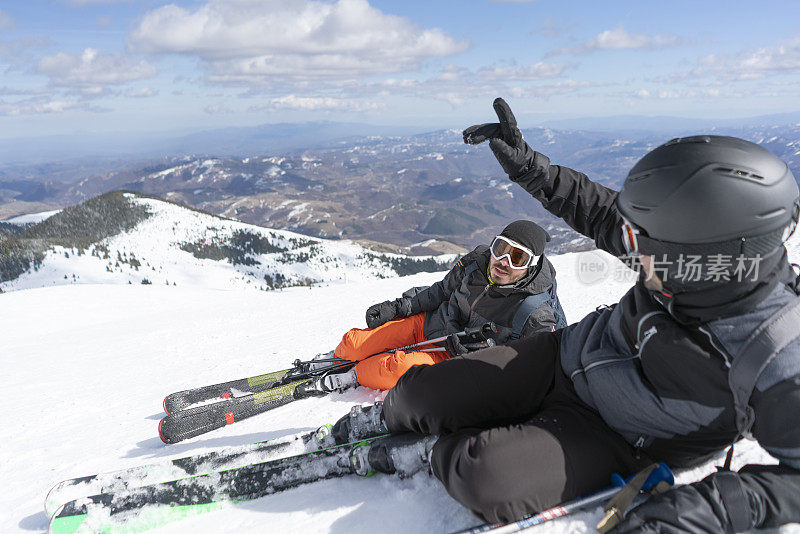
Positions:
(515, 439)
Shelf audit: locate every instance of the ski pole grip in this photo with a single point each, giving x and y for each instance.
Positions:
(662, 473)
(485, 331)
(657, 478)
(489, 329)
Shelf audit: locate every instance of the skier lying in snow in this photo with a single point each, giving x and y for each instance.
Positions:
(667, 374)
(488, 284)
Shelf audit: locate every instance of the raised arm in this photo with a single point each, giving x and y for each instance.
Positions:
(586, 206)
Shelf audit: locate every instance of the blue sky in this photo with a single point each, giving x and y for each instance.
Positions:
(72, 66)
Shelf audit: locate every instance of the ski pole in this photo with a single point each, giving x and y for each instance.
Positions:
(485, 330)
(657, 480)
(471, 346)
(405, 347)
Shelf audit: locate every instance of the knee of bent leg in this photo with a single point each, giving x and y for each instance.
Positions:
(476, 475)
(350, 340)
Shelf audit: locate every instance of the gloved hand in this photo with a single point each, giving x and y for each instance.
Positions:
(381, 313)
(454, 347)
(695, 508)
(506, 141)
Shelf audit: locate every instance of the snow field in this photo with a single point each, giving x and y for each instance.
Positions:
(85, 367)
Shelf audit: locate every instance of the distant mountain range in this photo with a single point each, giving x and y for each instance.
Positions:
(128, 238)
(114, 148)
(408, 191)
(233, 141)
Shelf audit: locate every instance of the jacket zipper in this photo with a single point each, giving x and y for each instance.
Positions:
(640, 346)
(640, 444)
(713, 344)
(474, 302)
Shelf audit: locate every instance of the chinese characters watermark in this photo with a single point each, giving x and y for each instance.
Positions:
(596, 266)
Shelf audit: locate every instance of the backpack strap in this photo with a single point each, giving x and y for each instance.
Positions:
(766, 341)
(528, 306)
(561, 317)
(531, 304)
(469, 269)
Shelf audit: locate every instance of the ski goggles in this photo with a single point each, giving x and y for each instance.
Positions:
(787, 233)
(637, 242)
(518, 256)
(630, 237)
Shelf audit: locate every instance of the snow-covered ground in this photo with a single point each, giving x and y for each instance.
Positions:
(84, 369)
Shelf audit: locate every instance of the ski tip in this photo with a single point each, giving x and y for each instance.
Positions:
(160, 431)
(164, 405)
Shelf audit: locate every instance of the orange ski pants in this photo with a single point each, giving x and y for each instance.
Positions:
(383, 371)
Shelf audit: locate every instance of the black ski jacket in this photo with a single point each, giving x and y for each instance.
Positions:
(465, 298)
(663, 385)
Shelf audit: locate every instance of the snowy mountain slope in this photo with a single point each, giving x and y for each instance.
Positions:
(84, 369)
(179, 246)
(32, 217)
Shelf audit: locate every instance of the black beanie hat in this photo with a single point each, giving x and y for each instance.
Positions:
(528, 234)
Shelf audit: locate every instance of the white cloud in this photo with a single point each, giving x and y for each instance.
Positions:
(247, 40)
(15, 50)
(453, 84)
(537, 71)
(9, 91)
(92, 91)
(753, 64)
(216, 109)
(144, 92)
(760, 62)
(621, 39)
(93, 69)
(550, 27)
(317, 103)
(37, 106)
(549, 90)
(675, 94)
(454, 99)
(5, 20)
(81, 3)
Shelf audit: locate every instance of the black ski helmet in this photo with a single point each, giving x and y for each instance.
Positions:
(710, 189)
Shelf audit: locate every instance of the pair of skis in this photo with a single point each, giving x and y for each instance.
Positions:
(145, 497)
(196, 411)
(193, 412)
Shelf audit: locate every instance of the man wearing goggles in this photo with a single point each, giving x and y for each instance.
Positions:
(517, 260)
(511, 284)
(676, 371)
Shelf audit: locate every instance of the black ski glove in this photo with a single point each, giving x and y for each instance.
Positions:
(454, 347)
(507, 143)
(383, 312)
(703, 507)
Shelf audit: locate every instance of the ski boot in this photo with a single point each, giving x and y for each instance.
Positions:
(322, 385)
(404, 454)
(361, 422)
(319, 361)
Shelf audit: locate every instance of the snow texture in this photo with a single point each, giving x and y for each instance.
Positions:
(84, 369)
